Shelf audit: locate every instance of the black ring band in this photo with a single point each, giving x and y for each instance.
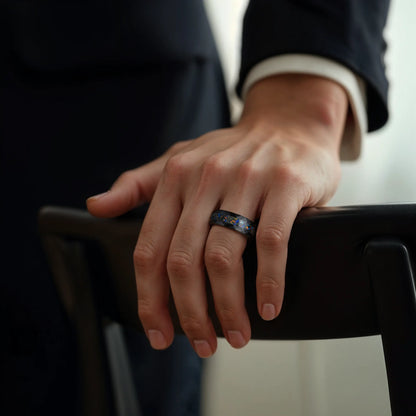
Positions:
(235, 222)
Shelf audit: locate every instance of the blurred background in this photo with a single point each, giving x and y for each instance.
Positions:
(337, 377)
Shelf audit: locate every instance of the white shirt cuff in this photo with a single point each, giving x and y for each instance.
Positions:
(355, 126)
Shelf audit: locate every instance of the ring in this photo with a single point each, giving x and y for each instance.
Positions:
(233, 221)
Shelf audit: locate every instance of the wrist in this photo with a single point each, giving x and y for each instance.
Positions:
(308, 103)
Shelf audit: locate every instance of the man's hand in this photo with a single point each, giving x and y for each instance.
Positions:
(282, 156)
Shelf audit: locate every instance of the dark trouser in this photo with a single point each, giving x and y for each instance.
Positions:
(167, 383)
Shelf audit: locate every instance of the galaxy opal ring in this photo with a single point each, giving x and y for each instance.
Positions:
(235, 222)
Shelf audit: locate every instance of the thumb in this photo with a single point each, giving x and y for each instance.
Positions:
(131, 189)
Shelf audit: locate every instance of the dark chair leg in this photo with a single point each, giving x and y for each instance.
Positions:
(77, 295)
(395, 297)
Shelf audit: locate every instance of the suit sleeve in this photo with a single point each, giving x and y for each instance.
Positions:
(347, 31)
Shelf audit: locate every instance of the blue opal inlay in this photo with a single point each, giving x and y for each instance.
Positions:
(233, 221)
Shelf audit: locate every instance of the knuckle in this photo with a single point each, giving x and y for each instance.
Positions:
(178, 146)
(271, 238)
(288, 176)
(227, 315)
(127, 177)
(284, 172)
(268, 284)
(144, 256)
(179, 263)
(177, 166)
(212, 171)
(192, 325)
(249, 171)
(214, 167)
(145, 311)
(218, 259)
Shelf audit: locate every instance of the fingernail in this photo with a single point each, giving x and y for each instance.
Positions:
(268, 312)
(157, 339)
(95, 197)
(236, 339)
(202, 348)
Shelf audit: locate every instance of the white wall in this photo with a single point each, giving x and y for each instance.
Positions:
(339, 377)
(385, 172)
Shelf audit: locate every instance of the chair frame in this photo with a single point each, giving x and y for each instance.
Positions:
(355, 278)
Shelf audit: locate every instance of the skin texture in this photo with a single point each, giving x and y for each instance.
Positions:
(282, 155)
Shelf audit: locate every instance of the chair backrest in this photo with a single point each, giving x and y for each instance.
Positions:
(349, 274)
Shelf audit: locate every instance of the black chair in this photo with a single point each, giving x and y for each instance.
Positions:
(349, 274)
